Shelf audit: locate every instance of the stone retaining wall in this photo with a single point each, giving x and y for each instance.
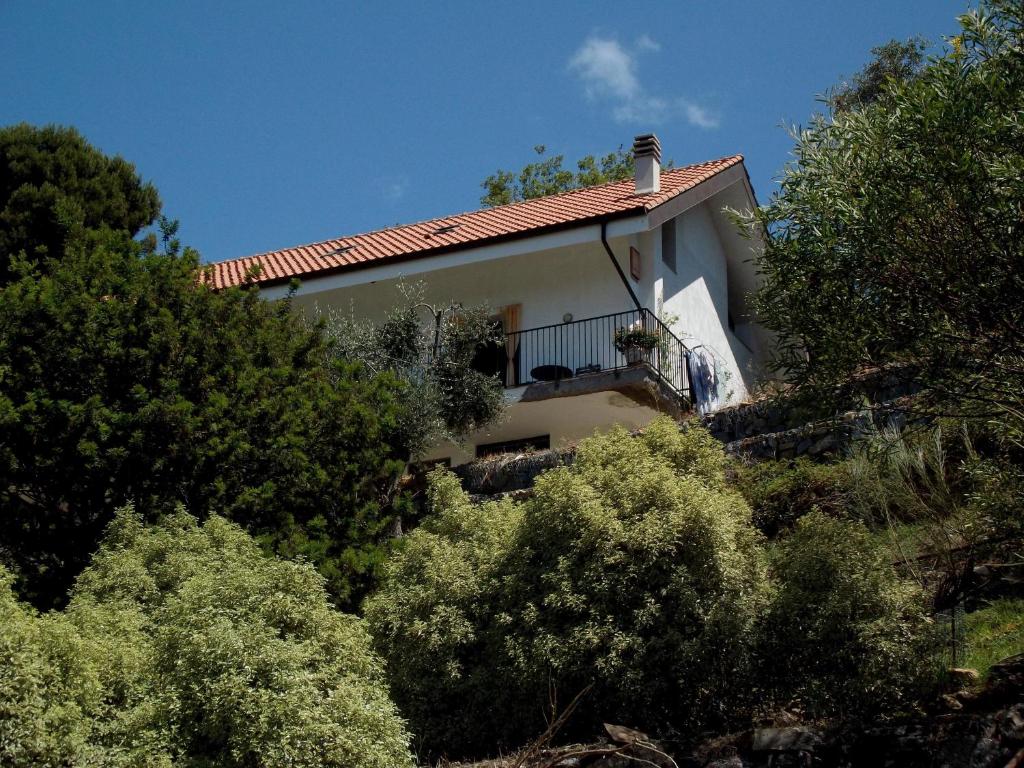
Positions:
(756, 431)
(511, 471)
(751, 433)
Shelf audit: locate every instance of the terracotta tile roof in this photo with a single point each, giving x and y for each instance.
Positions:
(464, 230)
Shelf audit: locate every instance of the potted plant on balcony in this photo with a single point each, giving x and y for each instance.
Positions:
(636, 342)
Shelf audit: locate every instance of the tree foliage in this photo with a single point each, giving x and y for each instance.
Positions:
(48, 688)
(844, 634)
(549, 176)
(898, 61)
(54, 185)
(895, 240)
(430, 350)
(634, 570)
(125, 378)
(186, 645)
(635, 575)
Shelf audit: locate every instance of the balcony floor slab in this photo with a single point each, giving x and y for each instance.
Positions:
(638, 382)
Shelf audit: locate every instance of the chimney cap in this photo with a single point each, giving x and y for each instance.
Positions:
(647, 144)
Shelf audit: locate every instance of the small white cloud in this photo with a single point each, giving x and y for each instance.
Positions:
(609, 72)
(605, 68)
(647, 43)
(643, 109)
(699, 116)
(393, 189)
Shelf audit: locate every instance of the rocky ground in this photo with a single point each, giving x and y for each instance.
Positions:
(980, 727)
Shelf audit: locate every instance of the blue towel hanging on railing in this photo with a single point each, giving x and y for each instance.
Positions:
(704, 379)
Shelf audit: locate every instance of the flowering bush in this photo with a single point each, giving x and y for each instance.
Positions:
(186, 645)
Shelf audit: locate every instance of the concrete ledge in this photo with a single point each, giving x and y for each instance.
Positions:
(637, 382)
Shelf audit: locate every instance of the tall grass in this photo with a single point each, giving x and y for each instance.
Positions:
(993, 633)
(913, 486)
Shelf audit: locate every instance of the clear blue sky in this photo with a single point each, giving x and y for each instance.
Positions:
(269, 124)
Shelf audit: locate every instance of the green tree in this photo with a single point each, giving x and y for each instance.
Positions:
(53, 184)
(896, 240)
(431, 351)
(549, 176)
(898, 60)
(185, 645)
(124, 378)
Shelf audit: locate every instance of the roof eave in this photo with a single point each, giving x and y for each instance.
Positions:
(548, 229)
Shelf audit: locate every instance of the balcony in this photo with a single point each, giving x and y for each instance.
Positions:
(625, 351)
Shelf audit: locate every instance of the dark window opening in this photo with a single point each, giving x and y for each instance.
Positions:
(539, 443)
(732, 322)
(490, 358)
(668, 244)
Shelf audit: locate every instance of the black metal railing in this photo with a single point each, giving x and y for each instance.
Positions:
(581, 347)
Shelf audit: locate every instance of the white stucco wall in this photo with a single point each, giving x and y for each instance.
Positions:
(696, 294)
(566, 419)
(548, 284)
(579, 280)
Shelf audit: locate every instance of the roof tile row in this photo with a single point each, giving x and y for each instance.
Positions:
(428, 238)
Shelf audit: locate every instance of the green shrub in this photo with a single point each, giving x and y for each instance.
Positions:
(186, 645)
(634, 571)
(956, 487)
(48, 687)
(997, 496)
(917, 475)
(434, 618)
(781, 492)
(844, 634)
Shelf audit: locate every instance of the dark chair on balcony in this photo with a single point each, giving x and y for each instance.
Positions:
(550, 373)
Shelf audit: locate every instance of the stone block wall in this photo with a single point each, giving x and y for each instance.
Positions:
(756, 432)
(510, 472)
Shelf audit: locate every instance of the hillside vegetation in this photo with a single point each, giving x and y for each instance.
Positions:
(636, 577)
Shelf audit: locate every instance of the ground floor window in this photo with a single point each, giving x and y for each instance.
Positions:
(539, 443)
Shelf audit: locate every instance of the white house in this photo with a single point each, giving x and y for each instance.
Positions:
(564, 274)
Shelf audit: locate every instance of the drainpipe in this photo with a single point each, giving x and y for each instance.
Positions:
(615, 263)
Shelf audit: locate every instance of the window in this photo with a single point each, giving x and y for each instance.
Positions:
(668, 244)
(539, 443)
(634, 263)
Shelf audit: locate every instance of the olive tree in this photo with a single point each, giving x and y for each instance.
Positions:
(429, 350)
(895, 241)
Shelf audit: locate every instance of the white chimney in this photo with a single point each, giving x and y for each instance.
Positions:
(647, 156)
